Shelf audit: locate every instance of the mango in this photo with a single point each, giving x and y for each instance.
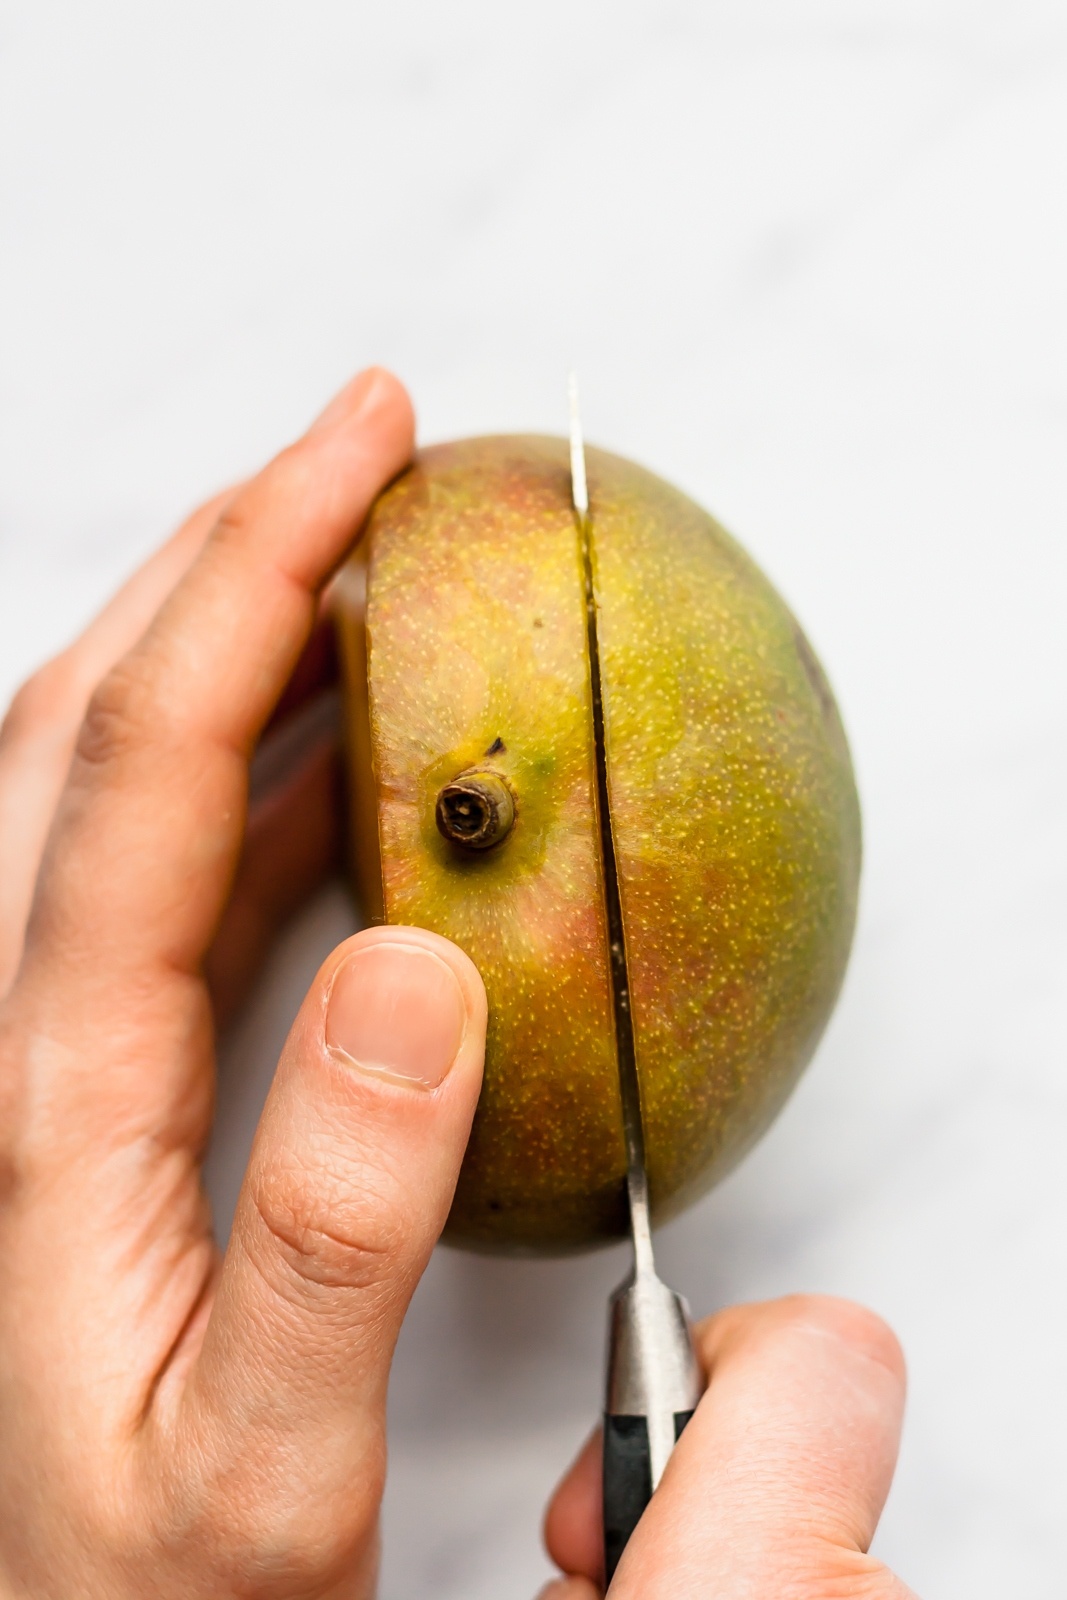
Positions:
(730, 801)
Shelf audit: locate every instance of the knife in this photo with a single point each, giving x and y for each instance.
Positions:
(653, 1376)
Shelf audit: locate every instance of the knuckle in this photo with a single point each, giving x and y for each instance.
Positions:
(300, 1548)
(293, 476)
(830, 1572)
(323, 1236)
(117, 718)
(269, 1534)
(232, 524)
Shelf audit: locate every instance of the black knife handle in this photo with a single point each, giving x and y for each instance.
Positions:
(627, 1481)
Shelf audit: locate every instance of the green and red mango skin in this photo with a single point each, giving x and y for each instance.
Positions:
(732, 802)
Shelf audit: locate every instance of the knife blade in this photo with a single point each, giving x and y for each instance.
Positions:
(653, 1377)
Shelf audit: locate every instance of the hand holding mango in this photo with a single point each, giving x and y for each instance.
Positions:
(731, 804)
(149, 1386)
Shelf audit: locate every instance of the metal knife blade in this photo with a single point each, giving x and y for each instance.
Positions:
(654, 1378)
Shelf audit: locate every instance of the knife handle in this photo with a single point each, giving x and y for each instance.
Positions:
(627, 1481)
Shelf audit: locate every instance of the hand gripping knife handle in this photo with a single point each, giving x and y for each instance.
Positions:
(654, 1382)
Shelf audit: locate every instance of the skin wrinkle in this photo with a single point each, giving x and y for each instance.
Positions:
(204, 1261)
(311, 1204)
(356, 1260)
(159, 1276)
(293, 1279)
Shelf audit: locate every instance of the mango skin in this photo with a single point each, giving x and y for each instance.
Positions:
(732, 801)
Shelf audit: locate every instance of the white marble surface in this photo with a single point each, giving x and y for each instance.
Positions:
(810, 257)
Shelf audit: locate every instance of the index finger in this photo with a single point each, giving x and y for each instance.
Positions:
(778, 1481)
(140, 859)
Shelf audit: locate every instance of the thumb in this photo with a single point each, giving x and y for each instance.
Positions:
(348, 1187)
(777, 1483)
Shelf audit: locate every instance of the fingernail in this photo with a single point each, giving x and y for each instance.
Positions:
(397, 1011)
(357, 399)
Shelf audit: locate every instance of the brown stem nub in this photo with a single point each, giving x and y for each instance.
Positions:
(476, 810)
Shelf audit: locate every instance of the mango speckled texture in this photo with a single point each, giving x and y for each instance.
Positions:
(731, 799)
